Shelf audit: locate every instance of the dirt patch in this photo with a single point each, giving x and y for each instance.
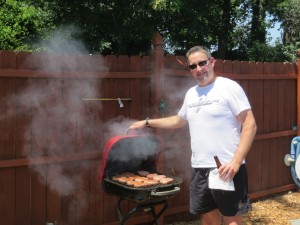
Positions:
(279, 210)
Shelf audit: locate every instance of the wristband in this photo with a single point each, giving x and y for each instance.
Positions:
(147, 122)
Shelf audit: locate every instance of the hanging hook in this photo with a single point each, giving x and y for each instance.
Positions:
(120, 103)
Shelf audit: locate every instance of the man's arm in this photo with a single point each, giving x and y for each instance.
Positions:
(172, 122)
(247, 135)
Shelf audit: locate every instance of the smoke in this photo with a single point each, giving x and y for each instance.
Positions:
(47, 111)
(118, 126)
(64, 40)
(51, 114)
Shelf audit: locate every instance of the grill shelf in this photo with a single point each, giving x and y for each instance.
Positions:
(145, 206)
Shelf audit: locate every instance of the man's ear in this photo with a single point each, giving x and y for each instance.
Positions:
(212, 61)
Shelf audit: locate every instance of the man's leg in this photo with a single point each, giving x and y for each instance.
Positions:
(211, 218)
(233, 220)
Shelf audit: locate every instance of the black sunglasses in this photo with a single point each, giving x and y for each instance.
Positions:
(201, 64)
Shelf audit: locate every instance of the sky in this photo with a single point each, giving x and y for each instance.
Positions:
(274, 33)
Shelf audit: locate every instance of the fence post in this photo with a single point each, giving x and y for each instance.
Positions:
(298, 95)
(157, 65)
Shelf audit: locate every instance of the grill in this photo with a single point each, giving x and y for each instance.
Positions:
(130, 154)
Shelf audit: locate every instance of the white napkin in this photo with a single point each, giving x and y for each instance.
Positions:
(215, 182)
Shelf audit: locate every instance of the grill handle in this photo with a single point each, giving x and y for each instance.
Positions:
(165, 193)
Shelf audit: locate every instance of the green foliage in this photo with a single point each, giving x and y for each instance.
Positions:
(21, 25)
(109, 27)
(174, 5)
(264, 53)
(233, 29)
(290, 51)
(290, 11)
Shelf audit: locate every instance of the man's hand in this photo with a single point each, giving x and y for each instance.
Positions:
(138, 125)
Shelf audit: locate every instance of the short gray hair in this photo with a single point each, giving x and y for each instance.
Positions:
(198, 48)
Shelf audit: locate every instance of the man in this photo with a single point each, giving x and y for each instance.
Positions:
(221, 123)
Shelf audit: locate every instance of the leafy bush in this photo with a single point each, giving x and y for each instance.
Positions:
(22, 25)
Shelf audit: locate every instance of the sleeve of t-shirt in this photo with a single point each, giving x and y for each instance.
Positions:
(183, 111)
(237, 98)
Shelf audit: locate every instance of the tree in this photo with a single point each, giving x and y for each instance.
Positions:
(290, 13)
(232, 29)
(21, 25)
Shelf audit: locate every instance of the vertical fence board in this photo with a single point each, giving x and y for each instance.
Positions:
(236, 67)
(97, 63)
(24, 61)
(290, 120)
(23, 150)
(135, 64)
(254, 90)
(85, 113)
(8, 59)
(122, 93)
(65, 62)
(37, 97)
(146, 63)
(283, 146)
(54, 117)
(219, 67)
(7, 118)
(110, 85)
(70, 101)
(123, 63)
(227, 66)
(136, 103)
(267, 101)
(264, 127)
(96, 194)
(285, 149)
(273, 168)
(7, 196)
(245, 67)
(69, 174)
(39, 193)
(83, 63)
(7, 150)
(53, 201)
(274, 107)
(281, 104)
(23, 196)
(39, 61)
(265, 172)
(96, 136)
(23, 120)
(254, 181)
(55, 147)
(82, 194)
(112, 62)
(146, 96)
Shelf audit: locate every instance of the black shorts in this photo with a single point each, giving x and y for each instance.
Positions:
(229, 203)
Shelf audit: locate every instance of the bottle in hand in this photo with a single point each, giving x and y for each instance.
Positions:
(219, 164)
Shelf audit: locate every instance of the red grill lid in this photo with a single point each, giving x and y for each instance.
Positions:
(129, 153)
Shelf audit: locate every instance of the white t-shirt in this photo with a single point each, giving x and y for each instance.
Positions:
(211, 114)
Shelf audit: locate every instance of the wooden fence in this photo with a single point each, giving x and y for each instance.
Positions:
(57, 112)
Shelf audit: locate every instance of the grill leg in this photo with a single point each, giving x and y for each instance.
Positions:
(157, 215)
(125, 216)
